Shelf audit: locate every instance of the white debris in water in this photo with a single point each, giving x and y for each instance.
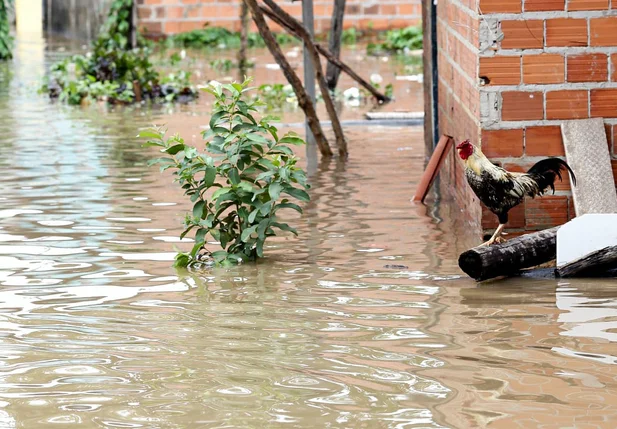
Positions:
(412, 78)
(376, 78)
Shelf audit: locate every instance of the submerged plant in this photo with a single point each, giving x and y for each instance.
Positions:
(238, 186)
(219, 37)
(399, 40)
(114, 71)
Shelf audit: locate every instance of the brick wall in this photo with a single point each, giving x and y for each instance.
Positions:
(175, 16)
(542, 62)
(539, 62)
(459, 94)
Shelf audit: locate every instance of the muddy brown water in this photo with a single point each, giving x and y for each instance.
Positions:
(98, 330)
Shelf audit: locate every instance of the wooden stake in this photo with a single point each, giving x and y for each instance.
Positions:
(303, 101)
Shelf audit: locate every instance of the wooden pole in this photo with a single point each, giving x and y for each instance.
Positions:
(334, 44)
(244, 41)
(309, 74)
(133, 26)
(527, 251)
(303, 100)
(381, 98)
(316, 63)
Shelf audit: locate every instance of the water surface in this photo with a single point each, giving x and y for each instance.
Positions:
(364, 321)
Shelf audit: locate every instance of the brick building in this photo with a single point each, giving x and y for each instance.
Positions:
(175, 16)
(510, 71)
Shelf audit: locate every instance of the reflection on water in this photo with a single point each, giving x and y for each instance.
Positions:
(363, 322)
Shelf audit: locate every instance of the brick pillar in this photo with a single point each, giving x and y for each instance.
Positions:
(536, 64)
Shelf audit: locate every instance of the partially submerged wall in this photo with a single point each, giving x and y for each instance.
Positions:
(538, 63)
(175, 16)
(459, 96)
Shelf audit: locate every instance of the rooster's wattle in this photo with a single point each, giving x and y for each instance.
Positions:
(500, 190)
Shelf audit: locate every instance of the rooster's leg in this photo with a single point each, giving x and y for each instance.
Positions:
(496, 236)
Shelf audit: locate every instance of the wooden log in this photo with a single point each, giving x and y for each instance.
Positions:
(592, 265)
(487, 262)
(341, 144)
(381, 98)
(303, 101)
(334, 43)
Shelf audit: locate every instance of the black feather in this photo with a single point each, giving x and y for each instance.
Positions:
(544, 173)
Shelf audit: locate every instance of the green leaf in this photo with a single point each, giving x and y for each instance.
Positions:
(234, 176)
(215, 118)
(287, 206)
(175, 149)
(285, 227)
(297, 193)
(253, 215)
(186, 231)
(274, 190)
(151, 143)
(198, 209)
(210, 176)
(297, 141)
(150, 134)
(219, 256)
(182, 260)
(257, 138)
(260, 248)
(219, 192)
(246, 234)
(261, 228)
(200, 237)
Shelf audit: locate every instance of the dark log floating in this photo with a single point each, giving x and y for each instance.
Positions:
(530, 250)
(597, 263)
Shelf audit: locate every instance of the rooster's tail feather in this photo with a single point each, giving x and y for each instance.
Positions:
(544, 172)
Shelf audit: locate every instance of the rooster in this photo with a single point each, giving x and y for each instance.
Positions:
(500, 190)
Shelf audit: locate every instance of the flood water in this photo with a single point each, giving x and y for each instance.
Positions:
(364, 321)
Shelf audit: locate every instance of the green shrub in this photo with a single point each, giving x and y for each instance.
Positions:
(6, 41)
(398, 40)
(238, 186)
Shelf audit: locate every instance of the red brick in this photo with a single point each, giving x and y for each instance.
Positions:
(500, 6)
(543, 68)
(541, 5)
(502, 143)
(587, 5)
(588, 68)
(527, 34)
(521, 106)
(614, 67)
(543, 141)
(545, 212)
(501, 70)
(604, 103)
(614, 165)
(567, 104)
(603, 31)
(566, 32)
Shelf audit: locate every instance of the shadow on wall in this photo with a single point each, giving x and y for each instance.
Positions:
(75, 19)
